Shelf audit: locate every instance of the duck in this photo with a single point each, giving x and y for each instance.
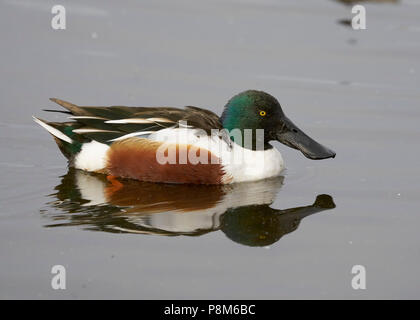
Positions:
(189, 145)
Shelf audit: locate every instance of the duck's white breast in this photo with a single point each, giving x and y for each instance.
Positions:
(240, 164)
(254, 165)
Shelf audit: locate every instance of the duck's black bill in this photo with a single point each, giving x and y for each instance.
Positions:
(290, 135)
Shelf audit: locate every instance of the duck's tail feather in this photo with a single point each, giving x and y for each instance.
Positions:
(72, 108)
(58, 111)
(68, 143)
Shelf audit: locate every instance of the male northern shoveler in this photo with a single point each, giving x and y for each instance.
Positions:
(128, 141)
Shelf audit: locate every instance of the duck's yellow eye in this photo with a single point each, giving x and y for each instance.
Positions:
(263, 113)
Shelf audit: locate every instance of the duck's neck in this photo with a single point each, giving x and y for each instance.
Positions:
(252, 139)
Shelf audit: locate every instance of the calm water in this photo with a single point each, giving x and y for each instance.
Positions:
(296, 236)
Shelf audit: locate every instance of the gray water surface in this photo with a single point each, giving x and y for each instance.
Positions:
(297, 236)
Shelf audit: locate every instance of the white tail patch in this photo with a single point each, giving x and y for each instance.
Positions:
(56, 133)
(92, 156)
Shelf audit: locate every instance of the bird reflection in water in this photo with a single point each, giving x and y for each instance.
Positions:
(241, 211)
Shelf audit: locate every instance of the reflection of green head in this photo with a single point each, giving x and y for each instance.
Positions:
(255, 226)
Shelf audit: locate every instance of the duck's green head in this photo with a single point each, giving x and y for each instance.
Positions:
(254, 110)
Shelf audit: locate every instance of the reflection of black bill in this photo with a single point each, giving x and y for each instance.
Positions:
(292, 136)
